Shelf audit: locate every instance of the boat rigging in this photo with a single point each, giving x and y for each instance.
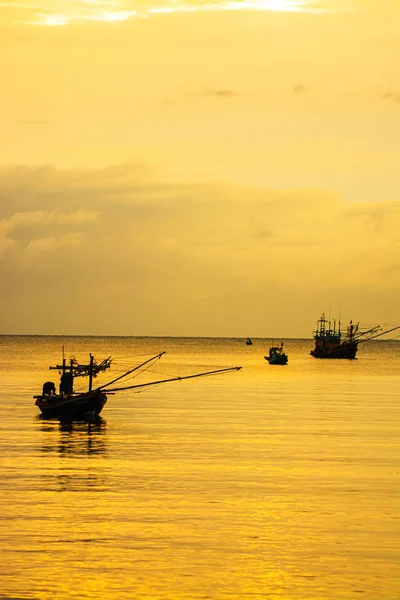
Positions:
(70, 405)
(331, 342)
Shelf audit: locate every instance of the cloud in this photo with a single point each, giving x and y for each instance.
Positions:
(221, 93)
(394, 96)
(163, 253)
(39, 217)
(79, 217)
(42, 220)
(217, 92)
(382, 217)
(299, 89)
(51, 244)
(45, 13)
(23, 219)
(35, 122)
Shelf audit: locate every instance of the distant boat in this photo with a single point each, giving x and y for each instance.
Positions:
(68, 405)
(277, 356)
(331, 342)
(249, 342)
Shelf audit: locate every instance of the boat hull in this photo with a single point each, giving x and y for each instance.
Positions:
(72, 407)
(278, 360)
(345, 350)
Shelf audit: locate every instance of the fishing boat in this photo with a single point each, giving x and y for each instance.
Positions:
(67, 404)
(332, 342)
(277, 356)
(249, 342)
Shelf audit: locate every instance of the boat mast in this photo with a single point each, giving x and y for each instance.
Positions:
(61, 368)
(91, 373)
(321, 325)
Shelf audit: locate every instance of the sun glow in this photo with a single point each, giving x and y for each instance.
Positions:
(80, 11)
(271, 5)
(114, 16)
(54, 20)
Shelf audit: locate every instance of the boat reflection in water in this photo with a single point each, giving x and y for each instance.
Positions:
(71, 453)
(75, 439)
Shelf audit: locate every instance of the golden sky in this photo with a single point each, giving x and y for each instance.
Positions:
(198, 167)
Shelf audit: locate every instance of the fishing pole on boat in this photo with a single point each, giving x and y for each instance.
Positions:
(358, 334)
(153, 358)
(139, 385)
(379, 334)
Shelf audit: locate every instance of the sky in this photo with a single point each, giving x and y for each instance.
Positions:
(198, 168)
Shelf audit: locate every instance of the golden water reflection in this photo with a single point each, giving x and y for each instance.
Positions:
(68, 450)
(77, 438)
(275, 484)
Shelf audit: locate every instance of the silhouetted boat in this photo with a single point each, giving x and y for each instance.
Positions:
(331, 342)
(70, 405)
(276, 355)
(249, 342)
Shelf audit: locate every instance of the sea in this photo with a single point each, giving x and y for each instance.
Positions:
(266, 483)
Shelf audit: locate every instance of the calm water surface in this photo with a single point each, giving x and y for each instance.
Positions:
(268, 483)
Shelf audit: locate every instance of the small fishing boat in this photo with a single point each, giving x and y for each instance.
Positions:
(276, 355)
(249, 342)
(332, 342)
(68, 404)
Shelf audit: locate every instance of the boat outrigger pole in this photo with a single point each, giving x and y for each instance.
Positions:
(379, 334)
(156, 357)
(130, 387)
(358, 334)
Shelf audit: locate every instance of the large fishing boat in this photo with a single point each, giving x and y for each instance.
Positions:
(68, 404)
(332, 342)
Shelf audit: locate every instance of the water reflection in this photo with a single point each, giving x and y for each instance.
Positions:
(71, 455)
(75, 439)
